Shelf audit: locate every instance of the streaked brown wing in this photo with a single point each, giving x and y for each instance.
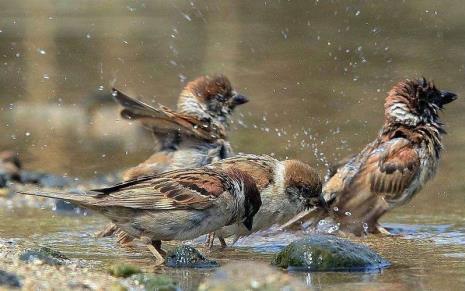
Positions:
(164, 120)
(260, 167)
(181, 189)
(389, 170)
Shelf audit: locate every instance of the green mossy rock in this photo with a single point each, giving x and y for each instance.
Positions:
(329, 253)
(123, 270)
(155, 283)
(188, 257)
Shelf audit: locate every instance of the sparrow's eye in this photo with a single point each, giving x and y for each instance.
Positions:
(222, 97)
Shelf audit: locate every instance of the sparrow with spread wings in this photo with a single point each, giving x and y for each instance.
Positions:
(192, 136)
(176, 205)
(395, 166)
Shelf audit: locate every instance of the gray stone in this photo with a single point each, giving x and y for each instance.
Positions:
(43, 255)
(188, 257)
(9, 279)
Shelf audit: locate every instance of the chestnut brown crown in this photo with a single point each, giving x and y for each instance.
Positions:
(216, 93)
(415, 101)
(302, 183)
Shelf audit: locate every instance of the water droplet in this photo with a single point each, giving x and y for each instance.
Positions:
(28, 133)
(187, 17)
(88, 35)
(336, 209)
(347, 213)
(41, 51)
(365, 227)
(357, 13)
(45, 76)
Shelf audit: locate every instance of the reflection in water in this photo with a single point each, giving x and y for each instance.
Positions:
(316, 72)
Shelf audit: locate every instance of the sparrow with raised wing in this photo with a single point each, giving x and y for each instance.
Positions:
(389, 171)
(176, 205)
(192, 136)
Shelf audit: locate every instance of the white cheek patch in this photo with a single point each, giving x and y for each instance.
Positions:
(401, 114)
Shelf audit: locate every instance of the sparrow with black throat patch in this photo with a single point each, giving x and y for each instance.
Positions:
(286, 188)
(388, 172)
(177, 205)
(193, 136)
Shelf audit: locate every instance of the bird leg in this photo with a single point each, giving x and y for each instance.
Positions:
(123, 238)
(157, 245)
(154, 247)
(223, 242)
(210, 240)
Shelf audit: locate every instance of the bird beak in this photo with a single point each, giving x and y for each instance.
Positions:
(239, 99)
(323, 203)
(327, 199)
(447, 97)
(248, 222)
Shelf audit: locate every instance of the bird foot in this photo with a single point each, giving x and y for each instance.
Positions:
(382, 231)
(108, 231)
(154, 247)
(210, 242)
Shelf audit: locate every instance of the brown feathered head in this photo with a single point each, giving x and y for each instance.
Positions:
(412, 102)
(210, 96)
(302, 184)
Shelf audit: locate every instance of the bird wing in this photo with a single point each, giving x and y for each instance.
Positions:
(262, 167)
(388, 170)
(164, 120)
(181, 189)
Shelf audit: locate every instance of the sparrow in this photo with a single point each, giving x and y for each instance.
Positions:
(10, 167)
(192, 136)
(389, 171)
(286, 188)
(176, 205)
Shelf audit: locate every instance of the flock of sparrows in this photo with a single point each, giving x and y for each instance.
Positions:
(195, 185)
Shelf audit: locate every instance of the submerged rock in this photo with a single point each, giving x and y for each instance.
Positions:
(329, 253)
(251, 276)
(44, 179)
(152, 282)
(123, 270)
(43, 255)
(9, 279)
(188, 257)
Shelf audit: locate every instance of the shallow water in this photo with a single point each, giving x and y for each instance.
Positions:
(316, 72)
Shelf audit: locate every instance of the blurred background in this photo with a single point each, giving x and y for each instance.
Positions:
(317, 73)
